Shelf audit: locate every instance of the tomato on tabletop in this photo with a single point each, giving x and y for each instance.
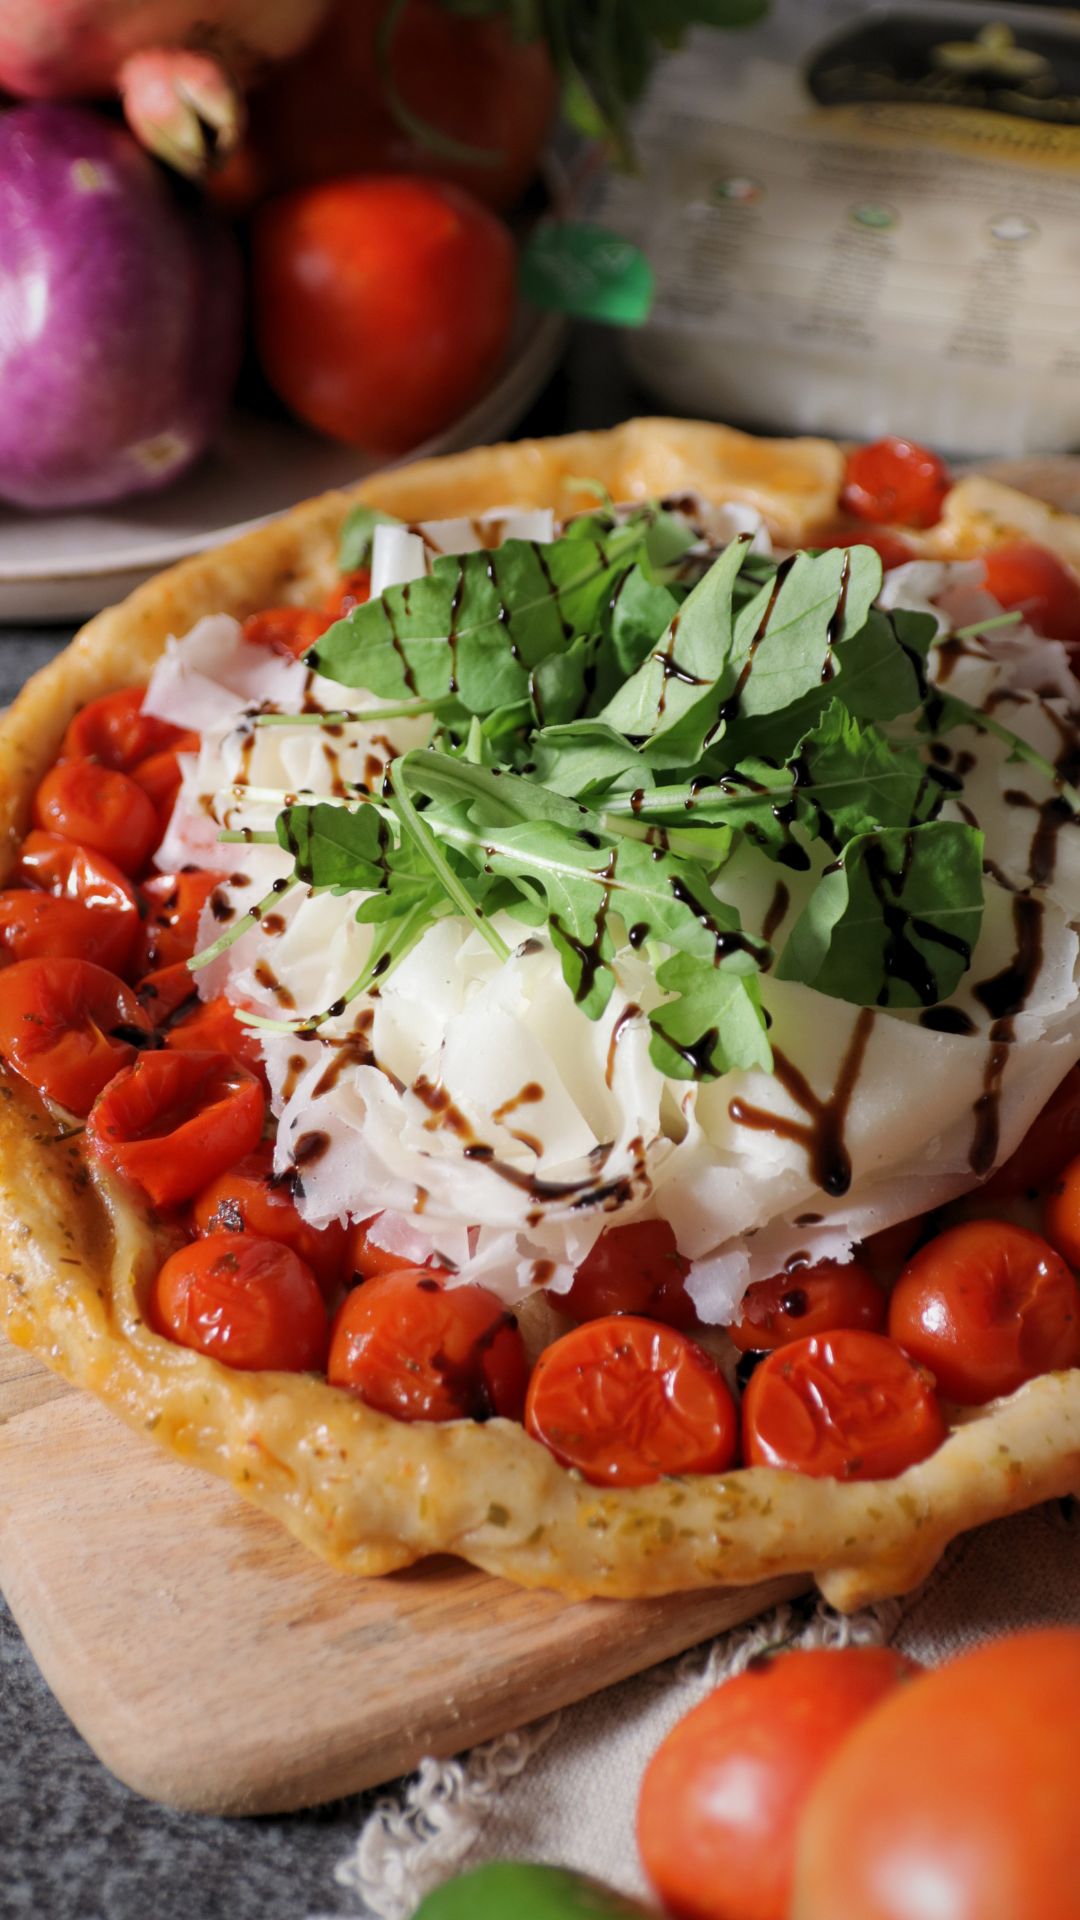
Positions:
(68, 1026)
(413, 1347)
(174, 902)
(289, 631)
(722, 1796)
(843, 1406)
(247, 1199)
(633, 1269)
(626, 1401)
(1034, 582)
(895, 482)
(101, 809)
(383, 306)
(116, 732)
(812, 1299)
(1052, 1140)
(251, 1303)
(72, 901)
(173, 1121)
(890, 548)
(987, 1306)
(955, 1797)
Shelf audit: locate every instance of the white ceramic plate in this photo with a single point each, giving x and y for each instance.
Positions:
(64, 566)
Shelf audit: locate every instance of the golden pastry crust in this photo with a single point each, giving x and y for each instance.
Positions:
(366, 1492)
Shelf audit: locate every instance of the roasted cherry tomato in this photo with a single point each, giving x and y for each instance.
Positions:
(173, 1121)
(286, 630)
(383, 306)
(251, 1303)
(1052, 1140)
(956, 1797)
(211, 1026)
(159, 776)
(841, 1406)
(987, 1306)
(895, 483)
(366, 1257)
(352, 590)
(416, 1348)
(168, 994)
(65, 1027)
(633, 1269)
(72, 901)
(1061, 1214)
(891, 550)
(1038, 585)
(116, 732)
(247, 1199)
(170, 930)
(100, 809)
(723, 1794)
(808, 1300)
(625, 1401)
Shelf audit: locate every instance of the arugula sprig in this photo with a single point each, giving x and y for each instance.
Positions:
(615, 713)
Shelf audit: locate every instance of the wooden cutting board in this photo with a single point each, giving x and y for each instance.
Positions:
(212, 1663)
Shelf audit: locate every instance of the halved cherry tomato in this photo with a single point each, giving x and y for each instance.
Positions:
(896, 483)
(211, 1026)
(723, 1794)
(246, 1199)
(167, 993)
(171, 927)
(159, 776)
(808, 1300)
(418, 1349)
(116, 732)
(173, 1121)
(841, 1406)
(1051, 1141)
(251, 1303)
(1033, 580)
(633, 1269)
(65, 1027)
(352, 590)
(625, 1401)
(72, 901)
(956, 1798)
(987, 1306)
(892, 551)
(100, 809)
(367, 1258)
(286, 630)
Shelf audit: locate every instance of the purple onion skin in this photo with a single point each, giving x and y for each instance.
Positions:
(120, 314)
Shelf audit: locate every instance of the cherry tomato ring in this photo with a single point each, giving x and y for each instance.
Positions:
(987, 1306)
(626, 1401)
(251, 1303)
(64, 1025)
(842, 1406)
(101, 809)
(172, 1121)
(415, 1348)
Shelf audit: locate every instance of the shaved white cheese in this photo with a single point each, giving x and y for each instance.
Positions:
(400, 555)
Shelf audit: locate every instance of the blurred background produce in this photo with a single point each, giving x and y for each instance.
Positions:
(366, 154)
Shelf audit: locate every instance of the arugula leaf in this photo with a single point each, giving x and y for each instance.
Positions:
(895, 922)
(879, 675)
(585, 759)
(480, 622)
(357, 537)
(714, 1024)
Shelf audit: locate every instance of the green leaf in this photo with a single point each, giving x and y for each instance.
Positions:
(895, 924)
(879, 675)
(586, 759)
(713, 1026)
(357, 537)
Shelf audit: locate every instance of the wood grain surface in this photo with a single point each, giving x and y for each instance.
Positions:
(215, 1665)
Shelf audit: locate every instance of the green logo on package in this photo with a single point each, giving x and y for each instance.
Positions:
(568, 267)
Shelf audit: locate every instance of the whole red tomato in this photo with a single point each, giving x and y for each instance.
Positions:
(383, 307)
(956, 1797)
(722, 1795)
(328, 112)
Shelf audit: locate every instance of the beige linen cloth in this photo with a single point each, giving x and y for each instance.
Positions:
(565, 1789)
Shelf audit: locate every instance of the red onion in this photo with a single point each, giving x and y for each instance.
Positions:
(120, 314)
